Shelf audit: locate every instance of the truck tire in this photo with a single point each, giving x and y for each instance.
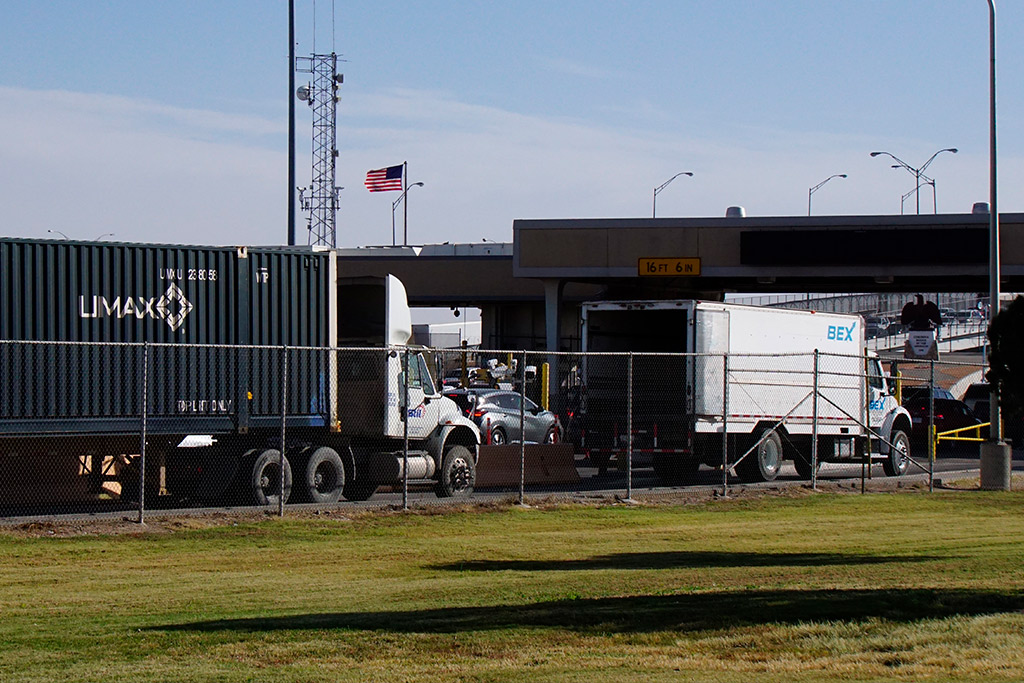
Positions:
(266, 477)
(457, 474)
(803, 465)
(323, 476)
(359, 489)
(673, 470)
(766, 460)
(202, 475)
(898, 459)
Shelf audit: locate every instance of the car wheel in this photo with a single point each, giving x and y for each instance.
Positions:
(552, 436)
(498, 437)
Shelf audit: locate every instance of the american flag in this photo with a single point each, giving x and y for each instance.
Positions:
(384, 179)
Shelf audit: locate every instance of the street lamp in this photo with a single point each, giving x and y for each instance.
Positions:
(925, 180)
(995, 453)
(818, 187)
(659, 188)
(916, 171)
(106, 234)
(405, 218)
(57, 232)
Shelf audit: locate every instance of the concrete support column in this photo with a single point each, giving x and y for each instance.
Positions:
(995, 466)
(552, 311)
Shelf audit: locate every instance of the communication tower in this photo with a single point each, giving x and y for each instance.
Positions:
(320, 199)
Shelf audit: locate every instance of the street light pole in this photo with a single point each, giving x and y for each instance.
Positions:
(995, 453)
(659, 188)
(405, 219)
(918, 172)
(818, 187)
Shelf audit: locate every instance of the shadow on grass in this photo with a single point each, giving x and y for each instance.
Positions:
(648, 613)
(679, 560)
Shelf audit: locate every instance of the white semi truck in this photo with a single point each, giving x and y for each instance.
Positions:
(750, 374)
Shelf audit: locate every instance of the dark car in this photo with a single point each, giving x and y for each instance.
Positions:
(501, 414)
(949, 414)
(977, 399)
(911, 393)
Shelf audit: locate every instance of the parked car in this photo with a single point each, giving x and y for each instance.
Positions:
(977, 400)
(497, 413)
(909, 393)
(949, 414)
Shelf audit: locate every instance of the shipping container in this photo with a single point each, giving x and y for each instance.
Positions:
(80, 322)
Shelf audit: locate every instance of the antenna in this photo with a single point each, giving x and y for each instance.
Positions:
(321, 202)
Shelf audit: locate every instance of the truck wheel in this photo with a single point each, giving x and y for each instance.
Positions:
(896, 463)
(765, 462)
(675, 471)
(458, 473)
(265, 481)
(323, 477)
(803, 465)
(359, 489)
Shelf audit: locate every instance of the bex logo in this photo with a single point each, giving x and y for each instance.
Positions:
(840, 333)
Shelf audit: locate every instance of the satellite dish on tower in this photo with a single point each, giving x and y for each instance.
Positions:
(303, 92)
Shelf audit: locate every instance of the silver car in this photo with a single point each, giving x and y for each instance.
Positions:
(497, 413)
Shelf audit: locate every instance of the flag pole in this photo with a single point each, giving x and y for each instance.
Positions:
(405, 208)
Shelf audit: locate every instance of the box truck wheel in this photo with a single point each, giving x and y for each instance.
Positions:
(458, 473)
(323, 476)
(266, 478)
(673, 470)
(898, 460)
(803, 465)
(766, 460)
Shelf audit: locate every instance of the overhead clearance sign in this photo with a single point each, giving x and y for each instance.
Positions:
(668, 267)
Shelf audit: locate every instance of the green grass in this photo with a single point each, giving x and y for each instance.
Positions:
(825, 587)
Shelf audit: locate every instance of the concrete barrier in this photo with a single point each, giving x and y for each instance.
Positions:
(544, 464)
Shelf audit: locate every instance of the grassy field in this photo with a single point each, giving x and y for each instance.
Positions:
(818, 587)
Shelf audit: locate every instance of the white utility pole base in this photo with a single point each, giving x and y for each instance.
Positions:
(995, 466)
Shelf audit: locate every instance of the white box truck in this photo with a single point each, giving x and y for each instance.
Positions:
(748, 373)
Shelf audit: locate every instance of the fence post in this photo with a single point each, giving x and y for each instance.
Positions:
(522, 430)
(142, 439)
(931, 426)
(814, 424)
(284, 415)
(725, 423)
(629, 426)
(405, 430)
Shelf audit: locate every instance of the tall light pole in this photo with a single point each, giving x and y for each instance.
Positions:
(818, 187)
(405, 220)
(916, 171)
(659, 188)
(291, 122)
(995, 453)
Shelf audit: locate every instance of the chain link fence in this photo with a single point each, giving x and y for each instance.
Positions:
(134, 428)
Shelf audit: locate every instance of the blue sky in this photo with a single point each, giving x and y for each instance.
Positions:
(167, 121)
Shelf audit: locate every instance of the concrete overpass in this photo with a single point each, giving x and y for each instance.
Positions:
(526, 289)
